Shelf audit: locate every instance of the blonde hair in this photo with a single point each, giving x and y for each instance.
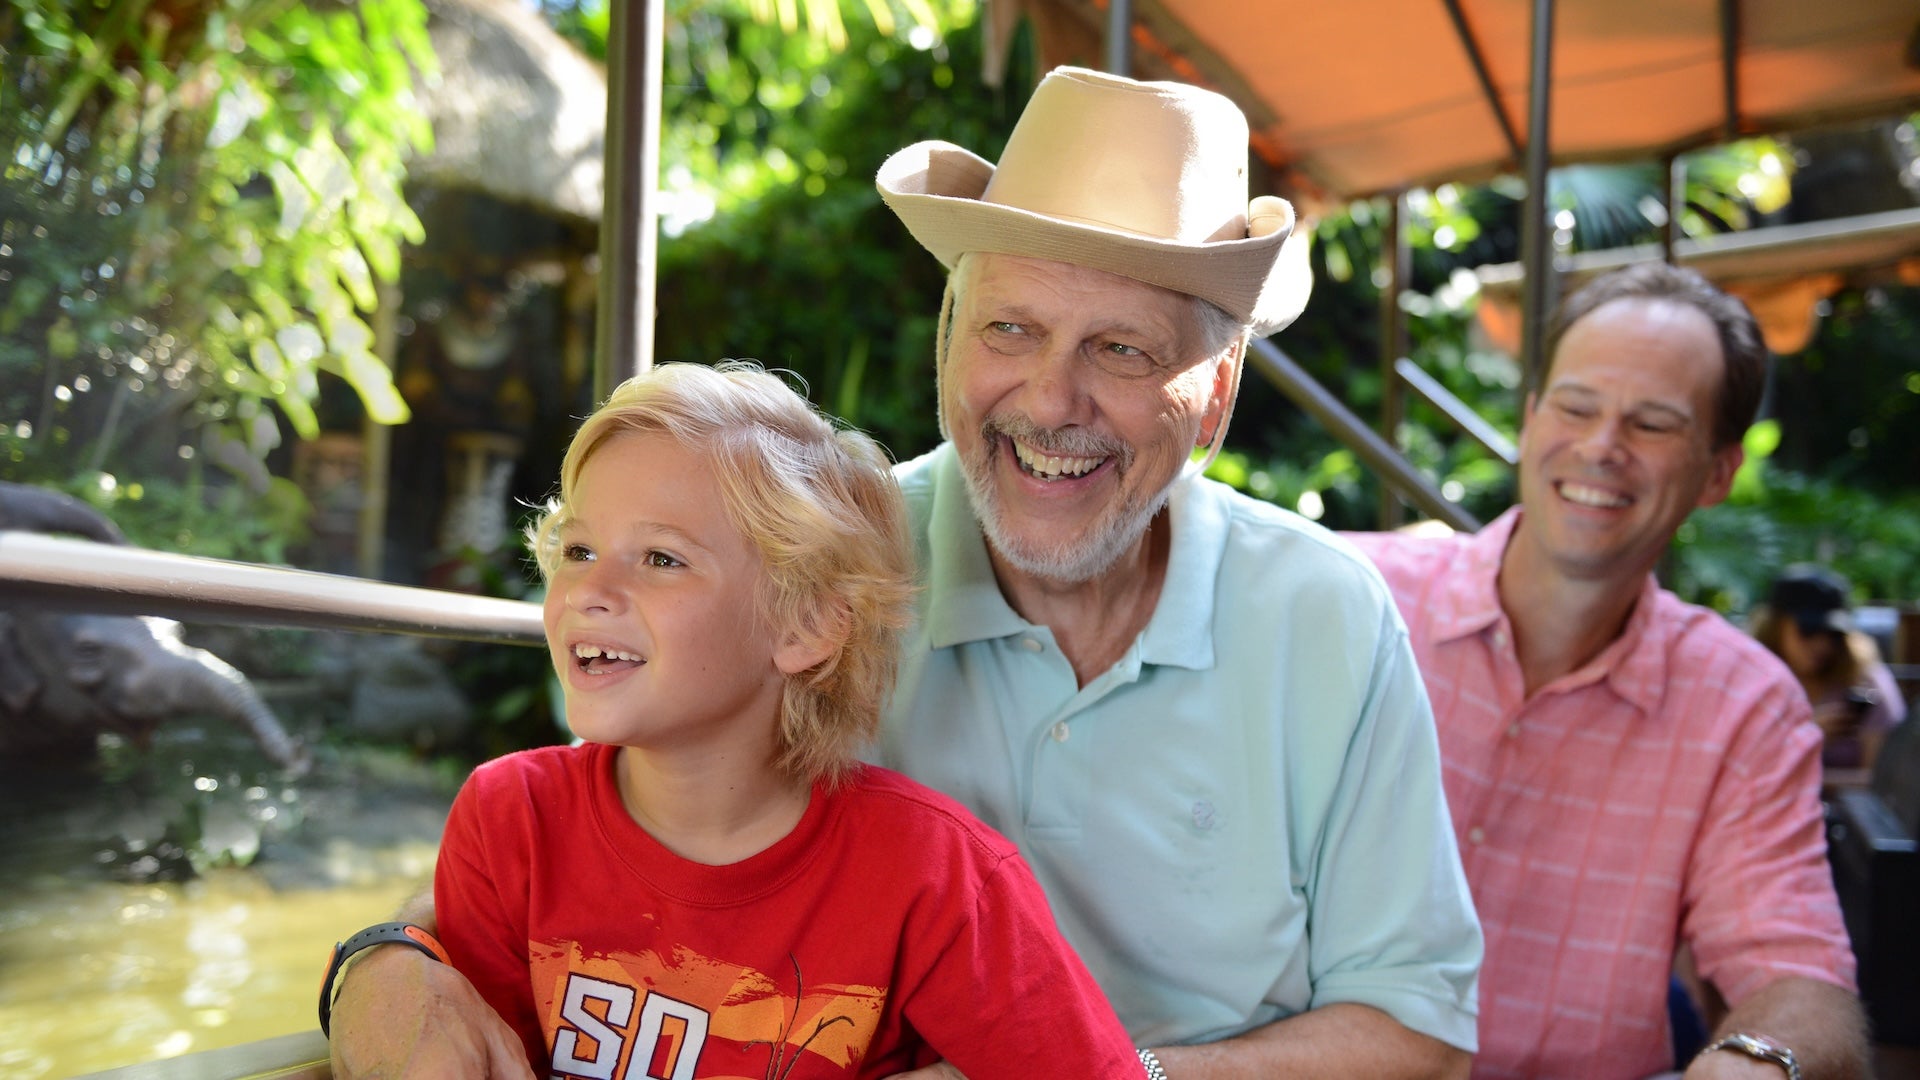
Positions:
(817, 502)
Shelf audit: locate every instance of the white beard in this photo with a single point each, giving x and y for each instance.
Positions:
(1071, 562)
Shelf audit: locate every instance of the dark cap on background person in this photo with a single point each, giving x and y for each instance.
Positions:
(1814, 597)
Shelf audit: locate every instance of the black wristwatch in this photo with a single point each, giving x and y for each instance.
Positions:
(1758, 1046)
(396, 933)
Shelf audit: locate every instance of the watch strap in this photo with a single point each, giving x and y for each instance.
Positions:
(386, 933)
(1758, 1046)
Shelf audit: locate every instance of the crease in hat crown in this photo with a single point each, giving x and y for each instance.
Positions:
(1143, 179)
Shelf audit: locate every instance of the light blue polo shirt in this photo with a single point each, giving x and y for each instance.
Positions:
(1243, 818)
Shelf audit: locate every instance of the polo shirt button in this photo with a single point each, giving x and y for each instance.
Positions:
(1476, 835)
(1031, 644)
(1499, 639)
(1060, 731)
(1513, 730)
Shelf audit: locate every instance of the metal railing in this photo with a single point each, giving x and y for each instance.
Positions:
(1457, 412)
(1395, 470)
(82, 575)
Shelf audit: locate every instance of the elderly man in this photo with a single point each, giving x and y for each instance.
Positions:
(1197, 715)
(1628, 773)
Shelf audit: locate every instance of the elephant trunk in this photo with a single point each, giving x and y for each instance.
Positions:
(203, 682)
(37, 509)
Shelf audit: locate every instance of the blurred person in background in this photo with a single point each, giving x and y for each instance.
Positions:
(1808, 622)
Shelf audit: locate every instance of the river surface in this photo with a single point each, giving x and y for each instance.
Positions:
(183, 898)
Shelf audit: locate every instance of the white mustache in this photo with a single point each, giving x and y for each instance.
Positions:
(1057, 442)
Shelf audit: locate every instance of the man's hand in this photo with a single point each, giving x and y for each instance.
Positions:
(401, 1013)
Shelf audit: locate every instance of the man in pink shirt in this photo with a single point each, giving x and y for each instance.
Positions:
(1627, 773)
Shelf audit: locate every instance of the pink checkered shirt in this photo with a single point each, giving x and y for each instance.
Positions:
(1667, 792)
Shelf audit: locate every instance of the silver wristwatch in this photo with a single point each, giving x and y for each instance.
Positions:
(1759, 1046)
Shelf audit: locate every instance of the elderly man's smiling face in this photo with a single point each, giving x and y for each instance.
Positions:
(1074, 398)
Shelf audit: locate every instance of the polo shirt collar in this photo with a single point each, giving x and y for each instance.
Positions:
(1180, 634)
(964, 601)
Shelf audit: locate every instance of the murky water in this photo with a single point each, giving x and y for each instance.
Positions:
(163, 904)
(107, 975)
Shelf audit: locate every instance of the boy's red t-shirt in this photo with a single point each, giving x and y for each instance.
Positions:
(888, 930)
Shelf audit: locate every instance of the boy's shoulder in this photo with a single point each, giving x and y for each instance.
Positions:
(931, 823)
(542, 769)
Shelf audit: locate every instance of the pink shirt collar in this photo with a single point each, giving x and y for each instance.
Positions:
(1634, 664)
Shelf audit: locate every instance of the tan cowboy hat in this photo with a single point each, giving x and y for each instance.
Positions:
(1143, 179)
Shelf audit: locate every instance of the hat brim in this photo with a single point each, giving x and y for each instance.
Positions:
(1833, 620)
(936, 188)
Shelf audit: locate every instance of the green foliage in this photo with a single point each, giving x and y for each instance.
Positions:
(1337, 341)
(1853, 395)
(201, 201)
(1451, 230)
(1726, 556)
(1310, 489)
(1726, 188)
(220, 521)
(583, 22)
(777, 136)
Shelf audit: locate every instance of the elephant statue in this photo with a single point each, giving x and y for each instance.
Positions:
(67, 678)
(37, 509)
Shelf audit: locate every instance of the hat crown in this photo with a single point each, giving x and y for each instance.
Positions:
(1147, 180)
(1156, 159)
(1809, 588)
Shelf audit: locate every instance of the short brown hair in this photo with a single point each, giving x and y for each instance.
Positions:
(1743, 355)
(817, 501)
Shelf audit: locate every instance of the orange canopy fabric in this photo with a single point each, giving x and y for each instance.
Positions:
(1354, 97)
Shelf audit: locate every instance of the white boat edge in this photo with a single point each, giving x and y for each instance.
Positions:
(300, 1056)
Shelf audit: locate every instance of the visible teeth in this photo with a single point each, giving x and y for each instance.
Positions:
(589, 652)
(1052, 466)
(1589, 496)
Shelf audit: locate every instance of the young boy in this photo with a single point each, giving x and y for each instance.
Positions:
(712, 885)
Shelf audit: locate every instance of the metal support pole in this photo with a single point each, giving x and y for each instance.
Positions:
(1396, 258)
(1470, 43)
(629, 230)
(1534, 228)
(1470, 423)
(1676, 192)
(1730, 66)
(1120, 37)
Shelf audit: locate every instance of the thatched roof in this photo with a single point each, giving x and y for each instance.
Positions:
(518, 113)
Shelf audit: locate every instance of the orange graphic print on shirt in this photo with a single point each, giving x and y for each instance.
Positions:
(648, 1016)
